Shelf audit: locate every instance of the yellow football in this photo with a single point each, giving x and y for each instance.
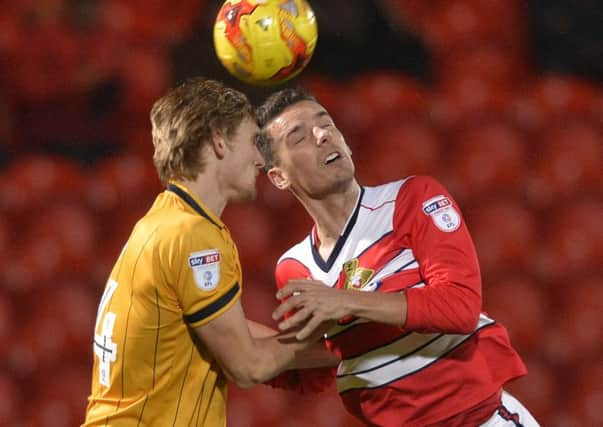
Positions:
(265, 42)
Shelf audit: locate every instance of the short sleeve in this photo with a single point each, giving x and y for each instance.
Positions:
(206, 272)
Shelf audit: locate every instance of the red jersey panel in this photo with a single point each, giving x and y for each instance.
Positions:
(408, 236)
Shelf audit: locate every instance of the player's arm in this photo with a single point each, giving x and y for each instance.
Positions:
(206, 280)
(312, 371)
(246, 360)
(316, 303)
(312, 380)
(451, 301)
(314, 356)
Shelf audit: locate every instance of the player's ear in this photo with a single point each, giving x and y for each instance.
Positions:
(278, 178)
(218, 143)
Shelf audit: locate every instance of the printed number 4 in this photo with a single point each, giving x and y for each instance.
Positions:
(104, 347)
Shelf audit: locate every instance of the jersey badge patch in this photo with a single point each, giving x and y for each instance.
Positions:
(206, 268)
(443, 213)
(357, 278)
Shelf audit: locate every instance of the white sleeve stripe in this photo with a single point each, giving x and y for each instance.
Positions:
(405, 260)
(404, 357)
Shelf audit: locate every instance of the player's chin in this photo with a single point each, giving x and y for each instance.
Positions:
(246, 195)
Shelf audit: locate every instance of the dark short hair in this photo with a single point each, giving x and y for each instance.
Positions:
(183, 121)
(274, 105)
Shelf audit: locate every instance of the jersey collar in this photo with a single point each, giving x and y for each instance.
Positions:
(190, 199)
(347, 229)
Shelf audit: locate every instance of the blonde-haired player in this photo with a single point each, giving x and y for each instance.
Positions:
(170, 328)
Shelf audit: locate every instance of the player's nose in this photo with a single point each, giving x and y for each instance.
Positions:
(321, 135)
(258, 161)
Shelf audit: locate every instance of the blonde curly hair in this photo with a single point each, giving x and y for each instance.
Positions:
(185, 119)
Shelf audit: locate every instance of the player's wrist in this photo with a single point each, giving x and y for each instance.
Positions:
(354, 303)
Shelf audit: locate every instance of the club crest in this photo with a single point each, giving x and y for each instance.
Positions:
(443, 213)
(206, 268)
(357, 278)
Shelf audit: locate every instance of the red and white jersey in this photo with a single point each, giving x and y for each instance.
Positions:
(409, 236)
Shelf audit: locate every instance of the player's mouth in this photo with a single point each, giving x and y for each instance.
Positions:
(332, 157)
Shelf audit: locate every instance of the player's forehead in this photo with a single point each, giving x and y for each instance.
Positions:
(247, 126)
(296, 115)
(249, 122)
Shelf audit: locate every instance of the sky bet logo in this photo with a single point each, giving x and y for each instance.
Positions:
(434, 206)
(197, 261)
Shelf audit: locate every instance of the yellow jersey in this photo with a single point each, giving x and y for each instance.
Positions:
(178, 270)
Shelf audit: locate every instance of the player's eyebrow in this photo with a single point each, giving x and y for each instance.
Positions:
(297, 127)
(322, 113)
(292, 130)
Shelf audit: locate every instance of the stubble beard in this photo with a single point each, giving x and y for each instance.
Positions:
(246, 194)
(338, 186)
(343, 182)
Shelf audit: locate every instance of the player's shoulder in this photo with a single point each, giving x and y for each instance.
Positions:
(381, 193)
(300, 252)
(421, 184)
(180, 222)
(188, 230)
(296, 262)
(377, 195)
(409, 190)
(425, 192)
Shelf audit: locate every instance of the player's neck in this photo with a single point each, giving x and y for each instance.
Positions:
(332, 213)
(204, 187)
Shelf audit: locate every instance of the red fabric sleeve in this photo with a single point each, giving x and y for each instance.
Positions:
(303, 380)
(428, 220)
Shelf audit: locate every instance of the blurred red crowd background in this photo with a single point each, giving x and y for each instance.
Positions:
(521, 151)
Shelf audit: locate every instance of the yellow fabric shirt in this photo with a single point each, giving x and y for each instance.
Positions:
(178, 270)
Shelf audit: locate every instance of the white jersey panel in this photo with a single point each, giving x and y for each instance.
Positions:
(374, 220)
(409, 354)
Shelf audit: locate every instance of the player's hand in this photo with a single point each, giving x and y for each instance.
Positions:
(313, 302)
